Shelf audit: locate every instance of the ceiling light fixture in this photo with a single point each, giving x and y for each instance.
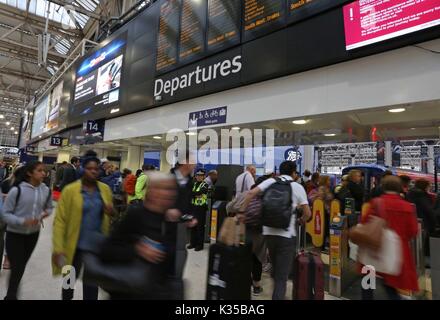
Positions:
(397, 110)
(8, 123)
(302, 121)
(235, 128)
(191, 133)
(12, 128)
(329, 134)
(16, 132)
(157, 137)
(2, 116)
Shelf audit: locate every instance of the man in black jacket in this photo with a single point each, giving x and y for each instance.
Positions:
(425, 209)
(356, 189)
(176, 264)
(71, 172)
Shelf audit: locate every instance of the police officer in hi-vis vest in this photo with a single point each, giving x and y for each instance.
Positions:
(199, 208)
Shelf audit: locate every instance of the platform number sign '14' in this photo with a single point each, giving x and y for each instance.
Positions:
(93, 127)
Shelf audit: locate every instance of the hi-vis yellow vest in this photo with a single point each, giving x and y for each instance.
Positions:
(201, 200)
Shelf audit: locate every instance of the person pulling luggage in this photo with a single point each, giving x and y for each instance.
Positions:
(199, 204)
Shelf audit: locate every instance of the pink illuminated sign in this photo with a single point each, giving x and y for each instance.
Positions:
(371, 21)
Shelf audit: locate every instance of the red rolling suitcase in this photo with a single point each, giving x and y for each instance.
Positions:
(308, 283)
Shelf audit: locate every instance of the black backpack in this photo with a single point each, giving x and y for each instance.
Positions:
(277, 205)
(17, 197)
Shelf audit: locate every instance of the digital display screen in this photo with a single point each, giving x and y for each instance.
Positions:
(98, 78)
(54, 107)
(223, 24)
(168, 34)
(371, 21)
(303, 9)
(192, 29)
(262, 15)
(39, 118)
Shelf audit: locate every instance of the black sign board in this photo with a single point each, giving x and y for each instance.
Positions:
(30, 149)
(223, 24)
(192, 30)
(56, 141)
(167, 40)
(93, 132)
(262, 16)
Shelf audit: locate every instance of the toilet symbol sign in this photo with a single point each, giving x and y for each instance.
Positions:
(207, 117)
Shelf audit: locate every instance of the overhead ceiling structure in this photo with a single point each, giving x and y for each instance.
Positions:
(22, 70)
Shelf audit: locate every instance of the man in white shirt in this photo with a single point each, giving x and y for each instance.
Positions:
(246, 180)
(282, 242)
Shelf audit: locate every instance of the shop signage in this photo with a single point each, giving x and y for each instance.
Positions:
(207, 117)
(199, 75)
(292, 154)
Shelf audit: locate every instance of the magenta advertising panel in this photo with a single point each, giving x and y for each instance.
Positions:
(372, 21)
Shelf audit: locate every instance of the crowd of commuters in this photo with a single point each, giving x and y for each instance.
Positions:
(160, 208)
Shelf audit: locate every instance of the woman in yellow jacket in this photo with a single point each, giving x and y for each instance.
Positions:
(81, 221)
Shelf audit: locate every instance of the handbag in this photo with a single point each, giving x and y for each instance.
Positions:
(368, 235)
(232, 232)
(134, 277)
(236, 203)
(385, 254)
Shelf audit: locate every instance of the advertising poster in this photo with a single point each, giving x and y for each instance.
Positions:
(39, 117)
(53, 111)
(98, 78)
(372, 21)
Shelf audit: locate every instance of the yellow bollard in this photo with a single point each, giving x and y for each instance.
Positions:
(315, 227)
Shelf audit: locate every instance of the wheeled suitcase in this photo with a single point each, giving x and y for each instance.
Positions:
(308, 283)
(229, 272)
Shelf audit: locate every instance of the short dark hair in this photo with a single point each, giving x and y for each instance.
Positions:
(74, 159)
(90, 156)
(387, 173)
(422, 184)
(29, 168)
(127, 171)
(307, 173)
(391, 183)
(406, 180)
(287, 168)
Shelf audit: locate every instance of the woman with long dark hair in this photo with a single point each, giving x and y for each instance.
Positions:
(25, 207)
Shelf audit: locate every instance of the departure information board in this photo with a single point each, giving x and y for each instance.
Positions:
(261, 16)
(223, 24)
(192, 29)
(303, 9)
(168, 34)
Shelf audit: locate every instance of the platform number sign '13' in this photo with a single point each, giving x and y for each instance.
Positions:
(56, 141)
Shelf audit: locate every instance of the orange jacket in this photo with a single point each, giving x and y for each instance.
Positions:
(130, 184)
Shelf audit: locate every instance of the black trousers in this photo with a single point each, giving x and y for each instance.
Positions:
(19, 248)
(257, 268)
(198, 232)
(89, 292)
